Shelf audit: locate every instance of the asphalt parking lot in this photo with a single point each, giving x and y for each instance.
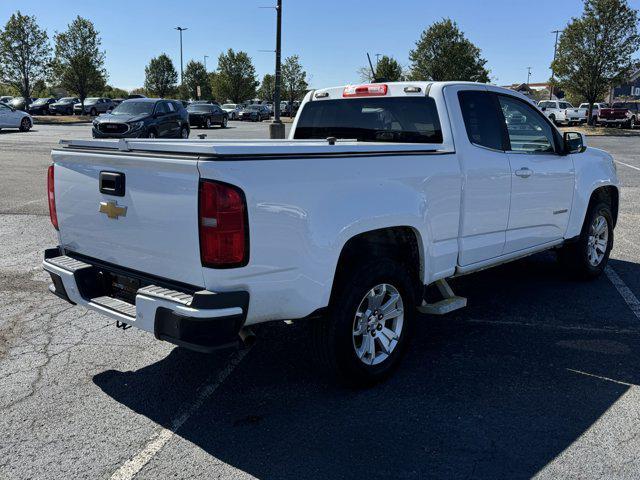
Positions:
(538, 377)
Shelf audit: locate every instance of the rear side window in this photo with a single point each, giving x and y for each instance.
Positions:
(391, 119)
(481, 119)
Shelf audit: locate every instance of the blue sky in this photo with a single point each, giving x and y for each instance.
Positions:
(331, 37)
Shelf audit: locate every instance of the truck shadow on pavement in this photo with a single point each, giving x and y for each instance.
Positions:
(498, 390)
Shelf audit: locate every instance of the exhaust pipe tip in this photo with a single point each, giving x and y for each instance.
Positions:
(247, 337)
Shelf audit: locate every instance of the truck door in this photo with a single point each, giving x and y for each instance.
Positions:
(542, 178)
(479, 142)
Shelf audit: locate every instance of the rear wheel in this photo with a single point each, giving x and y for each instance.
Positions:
(632, 123)
(25, 124)
(588, 256)
(366, 332)
(207, 123)
(184, 133)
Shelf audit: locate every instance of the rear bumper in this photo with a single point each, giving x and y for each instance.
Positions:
(196, 319)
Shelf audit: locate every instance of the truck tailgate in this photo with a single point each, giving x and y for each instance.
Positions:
(158, 233)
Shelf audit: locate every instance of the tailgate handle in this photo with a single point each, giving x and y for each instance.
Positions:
(112, 183)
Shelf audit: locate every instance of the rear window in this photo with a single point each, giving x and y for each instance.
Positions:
(391, 119)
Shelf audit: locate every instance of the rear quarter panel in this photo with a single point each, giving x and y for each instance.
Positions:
(303, 211)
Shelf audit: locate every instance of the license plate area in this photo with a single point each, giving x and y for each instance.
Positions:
(123, 287)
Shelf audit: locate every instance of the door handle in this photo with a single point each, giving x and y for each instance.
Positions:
(524, 172)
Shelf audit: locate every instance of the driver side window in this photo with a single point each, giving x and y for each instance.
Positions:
(528, 131)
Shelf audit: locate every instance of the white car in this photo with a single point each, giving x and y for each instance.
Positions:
(559, 111)
(232, 109)
(196, 241)
(12, 118)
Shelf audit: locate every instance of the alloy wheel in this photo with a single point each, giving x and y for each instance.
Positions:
(377, 324)
(598, 240)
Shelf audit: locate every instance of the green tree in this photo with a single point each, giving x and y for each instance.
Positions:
(387, 68)
(235, 77)
(444, 53)
(294, 79)
(196, 76)
(79, 62)
(25, 54)
(113, 92)
(267, 88)
(595, 50)
(161, 77)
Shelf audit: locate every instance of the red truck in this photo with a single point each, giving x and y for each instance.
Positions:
(621, 114)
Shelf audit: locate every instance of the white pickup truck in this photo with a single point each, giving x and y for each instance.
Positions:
(381, 191)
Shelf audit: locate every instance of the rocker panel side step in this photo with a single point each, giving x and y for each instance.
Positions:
(449, 303)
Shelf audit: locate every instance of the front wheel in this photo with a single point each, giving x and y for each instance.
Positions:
(25, 124)
(588, 256)
(366, 332)
(632, 123)
(93, 112)
(224, 122)
(184, 133)
(207, 123)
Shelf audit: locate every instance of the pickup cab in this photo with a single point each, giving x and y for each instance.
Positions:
(380, 192)
(559, 111)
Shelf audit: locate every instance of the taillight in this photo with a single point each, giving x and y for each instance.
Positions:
(51, 195)
(224, 236)
(373, 90)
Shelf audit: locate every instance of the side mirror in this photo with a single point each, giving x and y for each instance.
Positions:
(574, 142)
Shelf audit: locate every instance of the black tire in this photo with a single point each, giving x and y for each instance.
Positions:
(552, 118)
(25, 124)
(152, 134)
(224, 122)
(575, 256)
(184, 132)
(632, 123)
(333, 344)
(93, 112)
(207, 123)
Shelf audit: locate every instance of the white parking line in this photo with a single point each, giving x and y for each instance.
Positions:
(624, 291)
(627, 165)
(131, 467)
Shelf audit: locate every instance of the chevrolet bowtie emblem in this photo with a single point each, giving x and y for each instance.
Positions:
(112, 209)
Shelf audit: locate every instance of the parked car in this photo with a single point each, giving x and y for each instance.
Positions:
(205, 114)
(135, 95)
(93, 106)
(584, 111)
(41, 106)
(204, 102)
(232, 109)
(6, 99)
(254, 113)
(64, 106)
(197, 241)
(19, 103)
(12, 118)
(559, 112)
(620, 114)
(144, 117)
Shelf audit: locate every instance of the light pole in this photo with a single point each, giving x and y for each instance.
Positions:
(528, 75)
(205, 62)
(276, 128)
(555, 49)
(181, 29)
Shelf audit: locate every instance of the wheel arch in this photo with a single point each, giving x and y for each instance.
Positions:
(402, 243)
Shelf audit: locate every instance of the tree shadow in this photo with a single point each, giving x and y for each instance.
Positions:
(494, 391)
